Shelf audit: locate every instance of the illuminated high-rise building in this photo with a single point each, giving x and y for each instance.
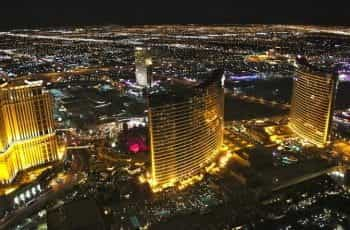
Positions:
(186, 130)
(27, 135)
(312, 104)
(143, 61)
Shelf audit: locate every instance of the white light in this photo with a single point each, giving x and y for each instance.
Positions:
(16, 200)
(22, 197)
(223, 80)
(33, 191)
(28, 194)
(39, 82)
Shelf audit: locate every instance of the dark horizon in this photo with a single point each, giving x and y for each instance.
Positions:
(157, 13)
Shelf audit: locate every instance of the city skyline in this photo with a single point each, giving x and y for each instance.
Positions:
(185, 126)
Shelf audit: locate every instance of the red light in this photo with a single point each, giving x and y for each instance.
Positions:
(135, 148)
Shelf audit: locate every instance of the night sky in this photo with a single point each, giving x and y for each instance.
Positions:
(31, 13)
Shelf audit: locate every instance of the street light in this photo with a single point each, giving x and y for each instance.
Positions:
(28, 194)
(16, 200)
(33, 191)
(22, 197)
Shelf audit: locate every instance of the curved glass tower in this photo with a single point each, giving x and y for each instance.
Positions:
(186, 128)
(312, 105)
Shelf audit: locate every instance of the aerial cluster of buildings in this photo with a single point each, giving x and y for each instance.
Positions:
(185, 123)
(130, 110)
(186, 128)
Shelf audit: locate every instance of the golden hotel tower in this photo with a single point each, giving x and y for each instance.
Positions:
(186, 129)
(312, 104)
(27, 135)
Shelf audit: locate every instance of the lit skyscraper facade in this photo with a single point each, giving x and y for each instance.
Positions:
(27, 135)
(186, 129)
(312, 104)
(143, 62)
